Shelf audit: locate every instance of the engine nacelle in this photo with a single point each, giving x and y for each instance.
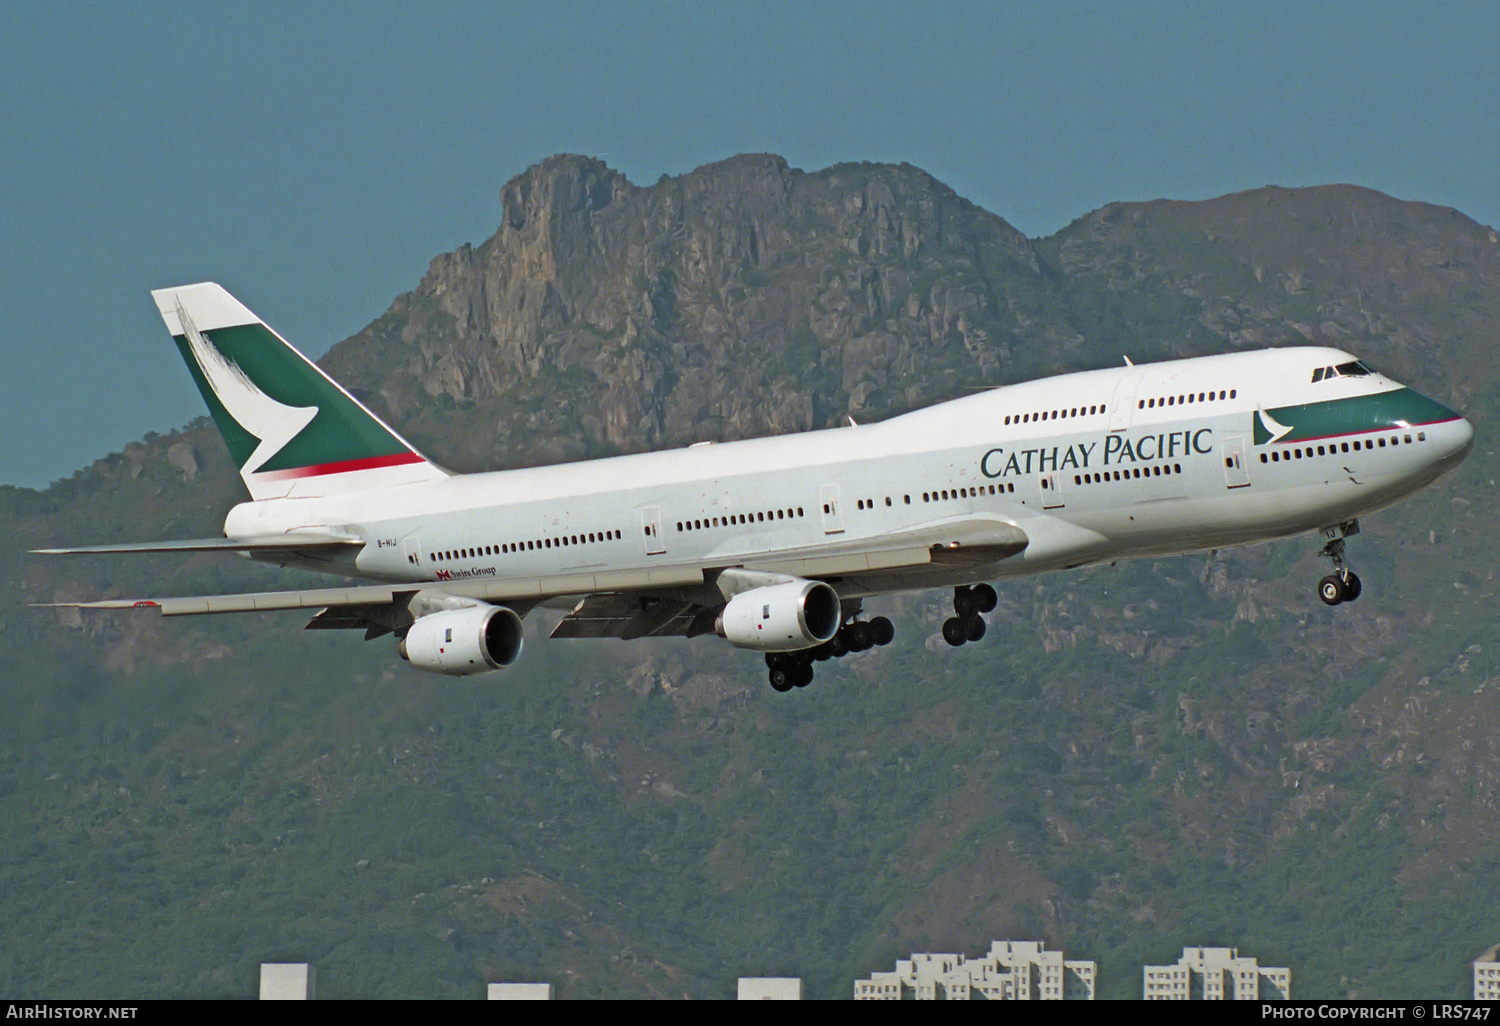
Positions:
(475, 639)
(781, 617)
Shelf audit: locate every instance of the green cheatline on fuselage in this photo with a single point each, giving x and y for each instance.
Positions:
(340, 432)
(1399, 407)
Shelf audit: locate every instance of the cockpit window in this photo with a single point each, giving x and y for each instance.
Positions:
(1347, 370)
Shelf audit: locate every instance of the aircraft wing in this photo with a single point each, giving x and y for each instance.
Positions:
(973, 540)
(250, 602)
(519, 593)
(630, 603)
(299, 543)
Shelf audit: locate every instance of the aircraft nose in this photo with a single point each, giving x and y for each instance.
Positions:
(1455, 439)
(1463, 438)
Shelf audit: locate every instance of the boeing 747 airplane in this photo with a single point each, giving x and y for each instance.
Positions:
(773, 544)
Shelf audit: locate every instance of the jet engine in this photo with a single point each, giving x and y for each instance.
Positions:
(781, 617)
(474, 639)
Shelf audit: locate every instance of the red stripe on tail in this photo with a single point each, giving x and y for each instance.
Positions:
(399, 459)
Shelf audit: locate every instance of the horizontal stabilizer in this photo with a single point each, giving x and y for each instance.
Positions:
(270, 543)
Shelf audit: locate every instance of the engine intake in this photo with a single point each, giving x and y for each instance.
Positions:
(781, 617)
(475, 639)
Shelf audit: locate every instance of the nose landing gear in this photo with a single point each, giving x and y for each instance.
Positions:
(1343, 585)
(967, 624)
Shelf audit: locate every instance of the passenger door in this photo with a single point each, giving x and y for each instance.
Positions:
(1051, 497)
(1236, 469)
(833, 512)
(1123, 407)
(651, 530)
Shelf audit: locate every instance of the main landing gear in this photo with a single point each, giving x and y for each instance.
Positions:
(788, 670)
(1343, 584)
(967, 624)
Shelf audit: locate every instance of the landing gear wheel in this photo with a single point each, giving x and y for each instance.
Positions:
(1331, 590)
(955, 632)
(803, 676)
(884, 632)
(781, 679)
(1343, 584)
(861, 636)
(985, 598)
(964, 602)
(976, 628)
(838, 645)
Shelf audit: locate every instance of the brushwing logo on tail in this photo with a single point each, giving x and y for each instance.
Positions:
(274, 423)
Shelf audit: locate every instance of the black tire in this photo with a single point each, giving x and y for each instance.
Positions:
(838, 645)
(781, 679)
(803, 675)
(885, 633)
(954, 631)
(964, 602)
(861, 637)
(1331, 590)
(976, 628)
(986, 597)
(1352, 586)
(821, 652)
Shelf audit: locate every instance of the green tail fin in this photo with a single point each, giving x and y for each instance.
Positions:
(291, 429)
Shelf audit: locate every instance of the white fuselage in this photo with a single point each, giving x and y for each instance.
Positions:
(1093, 466)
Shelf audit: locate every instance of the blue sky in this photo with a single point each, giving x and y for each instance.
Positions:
(313, 157)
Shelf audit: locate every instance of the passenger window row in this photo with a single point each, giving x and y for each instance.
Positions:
(1128, 474)
(1183, 400)
(734, 519)
(1287, 455)
(1003, 488)
(1076, 411)
(565, 541)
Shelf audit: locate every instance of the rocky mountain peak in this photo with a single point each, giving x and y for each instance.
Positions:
(747, 297)
(675, 310)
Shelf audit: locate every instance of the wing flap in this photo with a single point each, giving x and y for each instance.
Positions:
(633, 616)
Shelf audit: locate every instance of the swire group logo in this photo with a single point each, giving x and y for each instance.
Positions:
(459, 575)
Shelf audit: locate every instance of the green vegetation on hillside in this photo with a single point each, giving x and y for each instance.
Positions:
(1136, 758)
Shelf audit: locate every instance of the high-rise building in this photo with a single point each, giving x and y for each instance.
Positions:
(1012, 971)
(1487, 976)
(770, 988)
(288, 981)
(1216, 974)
